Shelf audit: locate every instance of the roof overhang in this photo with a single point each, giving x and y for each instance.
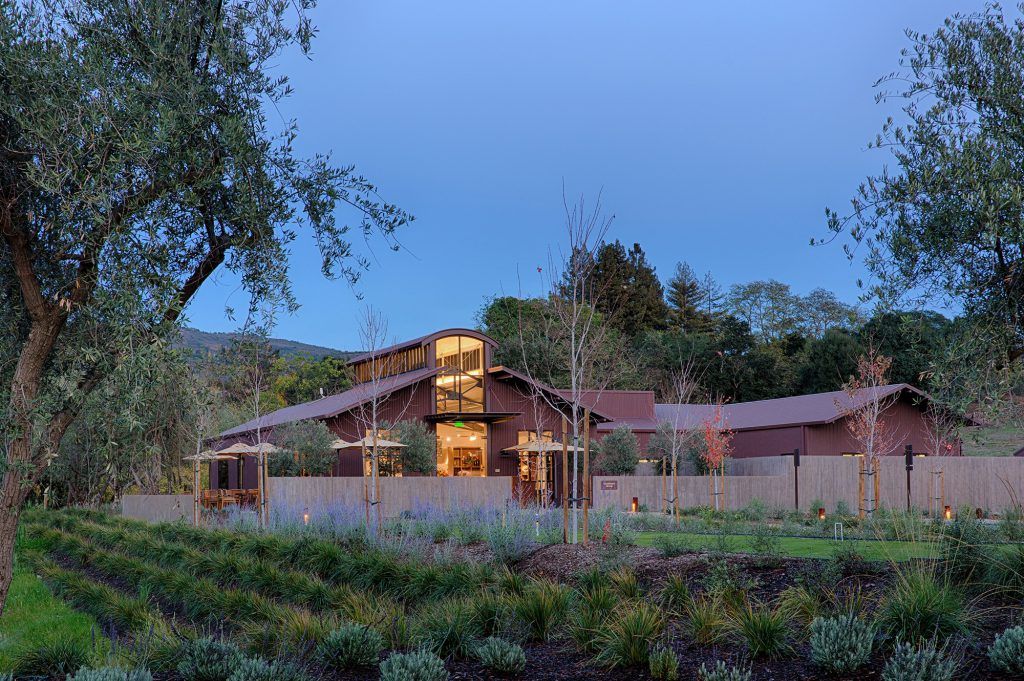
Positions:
(552, 396)
(475, 416)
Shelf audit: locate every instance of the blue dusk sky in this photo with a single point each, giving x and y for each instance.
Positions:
(717, 131)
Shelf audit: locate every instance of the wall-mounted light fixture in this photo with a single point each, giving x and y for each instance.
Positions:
(947, 513)
(821, 514)
(635, 506)
(305, 516)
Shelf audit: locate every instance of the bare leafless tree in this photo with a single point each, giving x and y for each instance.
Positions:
(683, 386)
(576, 327)
(380, 366)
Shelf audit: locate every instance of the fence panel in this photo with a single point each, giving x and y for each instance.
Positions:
(397, 494)
(157, 508)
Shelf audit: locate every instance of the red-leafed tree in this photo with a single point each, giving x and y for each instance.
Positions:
(865, 413)
(717, 448)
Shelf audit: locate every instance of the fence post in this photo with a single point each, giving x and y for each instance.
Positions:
(586, 475)
(565, 484)
(909, 454)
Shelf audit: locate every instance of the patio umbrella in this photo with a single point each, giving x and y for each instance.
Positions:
(367, 442)
(541, 446)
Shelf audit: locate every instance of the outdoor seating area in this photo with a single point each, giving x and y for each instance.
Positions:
(219, 499)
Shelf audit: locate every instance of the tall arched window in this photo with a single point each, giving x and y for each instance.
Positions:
(460, 385)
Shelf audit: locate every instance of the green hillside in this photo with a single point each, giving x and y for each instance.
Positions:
(203, 343)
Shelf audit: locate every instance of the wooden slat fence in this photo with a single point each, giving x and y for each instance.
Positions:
(398, 495)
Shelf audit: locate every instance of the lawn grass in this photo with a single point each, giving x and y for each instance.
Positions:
(33, 615)
(800, 547)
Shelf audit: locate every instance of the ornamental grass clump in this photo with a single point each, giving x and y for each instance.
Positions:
(675, 594)
(448, 629)
(722, 672)
(50, 659)
(421, 665)
(350, 647)
(927, 663)
(208, 660)
(663, 664)
(841, 644)
(501, 656)
(705, 621)
(542, 607)
(919, 607)
(1007, 652)
(626, 641)
(111, 674)
(763, 629)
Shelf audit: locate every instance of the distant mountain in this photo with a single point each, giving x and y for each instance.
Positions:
(203, 343)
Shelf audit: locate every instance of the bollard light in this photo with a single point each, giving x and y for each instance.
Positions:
(947, 513)
(305, 516)
(635, 506)
(821, 514)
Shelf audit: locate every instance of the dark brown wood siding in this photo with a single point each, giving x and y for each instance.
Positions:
(908, 421)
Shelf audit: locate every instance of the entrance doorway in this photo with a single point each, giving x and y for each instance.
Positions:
(462, 449)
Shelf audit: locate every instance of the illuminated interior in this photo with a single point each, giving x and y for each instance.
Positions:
(462, 449)
(460, 388)
(535, 468)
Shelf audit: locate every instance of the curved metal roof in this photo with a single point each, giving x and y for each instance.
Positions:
(422, 340)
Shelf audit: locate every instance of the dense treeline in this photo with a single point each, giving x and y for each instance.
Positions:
(752, 341)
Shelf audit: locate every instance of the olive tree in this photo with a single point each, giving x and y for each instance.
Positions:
(137, 159)
(944, 218)
(618, 452)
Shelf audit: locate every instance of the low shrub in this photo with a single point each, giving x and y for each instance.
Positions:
(1007, 652)
(350, 647)
(421, 665)
(722, 672)
(501, 656)
(919, 607)
(111, 674)
(927, 663)
(765, 542)
(626, 640)
(671, 546)
(208, 660)
(847, 560)
(542, 607)
(50, 659)
(841, 644)
(510, 543)
(663, 664)
(258, 669)
(725, 581)
(765, 630)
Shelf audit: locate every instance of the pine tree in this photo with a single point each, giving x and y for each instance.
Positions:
(627, 289)
(709, 300)
(683, 295)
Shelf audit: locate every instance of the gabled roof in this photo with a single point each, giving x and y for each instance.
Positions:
(444, 333)
(801, 410)
(332, 405)
(563, 396)
(619, 404)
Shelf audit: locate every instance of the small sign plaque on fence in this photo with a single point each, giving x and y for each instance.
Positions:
(609, 485)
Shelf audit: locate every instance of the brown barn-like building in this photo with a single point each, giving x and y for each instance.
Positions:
(480, 411)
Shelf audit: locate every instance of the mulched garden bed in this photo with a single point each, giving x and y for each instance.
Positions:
(559, 661)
